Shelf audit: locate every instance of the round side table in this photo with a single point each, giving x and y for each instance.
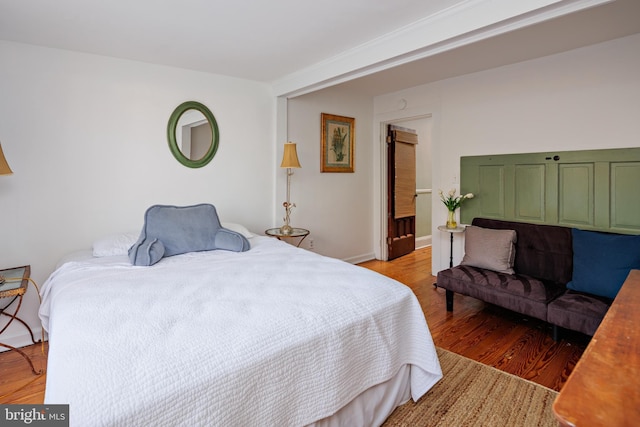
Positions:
(300, 233)
(451, 232)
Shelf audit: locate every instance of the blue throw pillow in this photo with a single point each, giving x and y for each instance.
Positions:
(602, 261)
(146, 252)
(174, 230)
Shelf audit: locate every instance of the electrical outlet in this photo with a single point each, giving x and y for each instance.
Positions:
(310, 243)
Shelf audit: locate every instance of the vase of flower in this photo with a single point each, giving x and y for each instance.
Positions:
(451, 219)
(453, 202)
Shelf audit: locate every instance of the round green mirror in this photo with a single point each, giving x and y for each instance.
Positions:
(193, 134)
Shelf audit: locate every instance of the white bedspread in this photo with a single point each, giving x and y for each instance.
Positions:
(274, 336)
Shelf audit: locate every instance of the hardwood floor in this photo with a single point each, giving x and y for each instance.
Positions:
(17, 383)
(491, 335)
(488, 334)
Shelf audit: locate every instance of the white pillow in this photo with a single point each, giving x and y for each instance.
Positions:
(115, 244)
(237, 228)
(119, 244)
(489, 248)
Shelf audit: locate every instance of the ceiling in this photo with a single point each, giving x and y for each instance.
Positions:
(594, 25)
(253, 39)
(268, 40)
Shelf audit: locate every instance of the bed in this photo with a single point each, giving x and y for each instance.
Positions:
(276, 335)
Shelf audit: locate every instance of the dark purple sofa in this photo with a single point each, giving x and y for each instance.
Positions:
(543, 266)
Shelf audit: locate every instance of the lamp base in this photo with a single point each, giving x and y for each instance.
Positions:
(286, 229)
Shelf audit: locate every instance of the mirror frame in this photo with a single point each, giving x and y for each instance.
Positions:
(171, 134)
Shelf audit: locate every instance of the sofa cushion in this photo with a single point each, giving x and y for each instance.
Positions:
(514, 284)
(602, 261)
(516, 292)
(578, 311)
(542, 251)
(491, 249)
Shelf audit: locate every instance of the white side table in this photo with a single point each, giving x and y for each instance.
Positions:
(451, 232)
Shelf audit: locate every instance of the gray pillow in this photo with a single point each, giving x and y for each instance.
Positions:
(173, 230)
(146, 252)
(491, 249)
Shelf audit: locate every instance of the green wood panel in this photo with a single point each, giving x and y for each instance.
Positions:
(529, 193)
(492, 202)
(590, 189)
(625, 196)
(552, 191)
(575, 193)
(602, 201)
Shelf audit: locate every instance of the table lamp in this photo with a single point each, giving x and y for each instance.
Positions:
(289, 160)
(4, 166)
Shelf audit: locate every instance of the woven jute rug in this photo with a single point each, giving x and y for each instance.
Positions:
(473, 394)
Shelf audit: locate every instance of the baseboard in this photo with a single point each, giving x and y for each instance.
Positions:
(360, 258)
(21, 340)
(423, 242)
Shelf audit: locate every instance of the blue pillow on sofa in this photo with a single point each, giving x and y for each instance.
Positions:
(602, 261)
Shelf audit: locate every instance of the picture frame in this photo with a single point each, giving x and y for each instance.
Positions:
(338, 143)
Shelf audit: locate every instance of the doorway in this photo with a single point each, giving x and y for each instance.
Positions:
(401, 191)
(424, 192)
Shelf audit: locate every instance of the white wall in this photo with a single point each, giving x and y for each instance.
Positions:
(86, 138)
(583, 99)
(336, 207)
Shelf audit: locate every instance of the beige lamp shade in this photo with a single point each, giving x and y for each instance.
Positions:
(4, 166)
(290, 156)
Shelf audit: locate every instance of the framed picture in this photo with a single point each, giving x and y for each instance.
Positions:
(338, 143)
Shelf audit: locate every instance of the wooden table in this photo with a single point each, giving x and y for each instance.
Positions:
(604, 387)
